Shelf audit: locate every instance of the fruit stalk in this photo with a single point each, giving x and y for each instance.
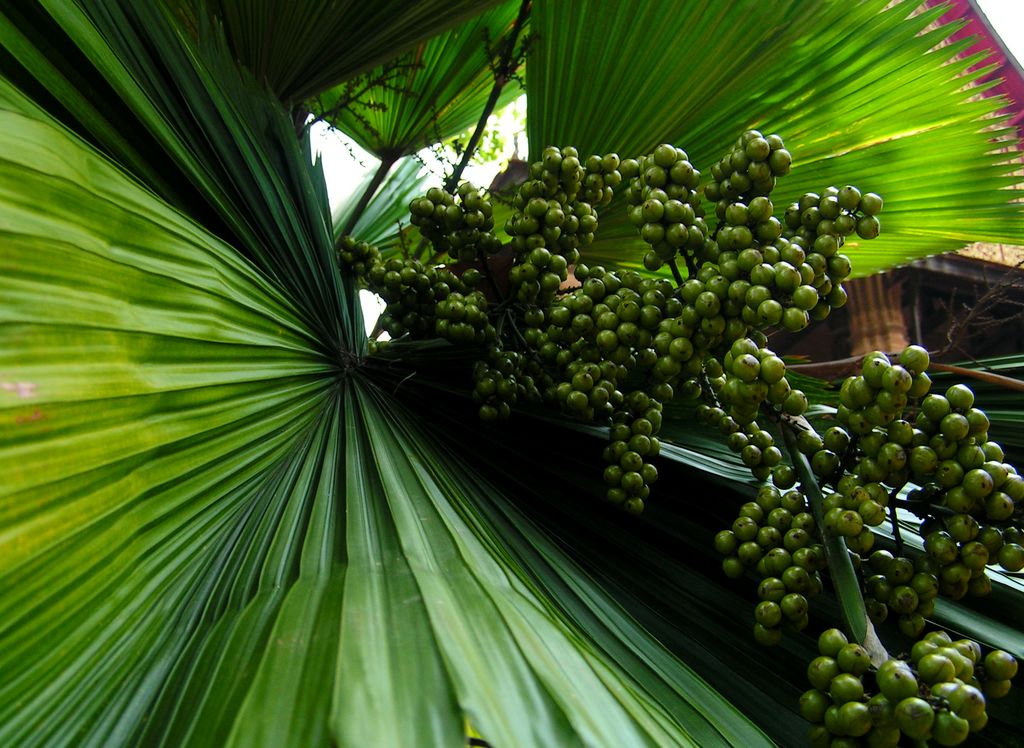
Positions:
(840, 568)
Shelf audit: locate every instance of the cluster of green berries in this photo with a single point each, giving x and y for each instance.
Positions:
(462, 319)
(664, 204)
(878, 395)
(970, 499)
(554, 216)
(939, 695)
(500, 380)
(460, 225)
(632, 444)
(853, 509)
(412, 291)
(774, 536)
(585, 344)
(749, 169)
(836, 212)
(902, 587)
(358, 257)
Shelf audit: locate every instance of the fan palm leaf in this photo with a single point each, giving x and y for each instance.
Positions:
(860, 93)
(301, 49)
(216, 532)
(220, 523)
(428, 95)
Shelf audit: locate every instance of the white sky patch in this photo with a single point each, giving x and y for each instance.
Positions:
(1007, 18)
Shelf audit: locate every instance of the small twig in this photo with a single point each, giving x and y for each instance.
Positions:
(916, 508)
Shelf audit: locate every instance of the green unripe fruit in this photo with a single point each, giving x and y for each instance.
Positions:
(853, 658)
(996, 689)
(768, 614)
(960, 397)
(813, 704)
(911, 625)
(855, 719)
(949, 729)
(732, 567)
(819, 736)
(967, 701)
(873, 367)
(954, 426)
(846, 687)
(903, 599)
(821, 671)
(935, 407)
(832, 724)
(915, 359)
(794, 606)
(1011, 557)
(883, 737)
(922, 648)
(935, 668)
(767, 636)
(796, 579)
(915, 717)
(883, 711)
(897, 682)
(897, 379)
(921, 385)
(1000, 665)
(772, 589)
(849, 523)
(923, 460)
(870, 204)
(726, 541)
(831, 641)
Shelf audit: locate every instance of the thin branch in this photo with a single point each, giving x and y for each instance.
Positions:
(675, 272)
(895, 521)
(842, 366)
(386, 162)
(984, 376)
(844, 577)
(503, 72)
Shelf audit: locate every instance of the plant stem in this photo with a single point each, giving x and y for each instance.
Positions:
(895, 521)
(675, 272)
(844, 577)
(502, 74)
(838, 367)
(386, 162)
(984, 376)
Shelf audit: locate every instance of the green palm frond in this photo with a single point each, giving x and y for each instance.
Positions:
(387, 213)
(220, 524)
(427, 95)
(304, 47)
(221, 142)
(213, 535)
(857, 91)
